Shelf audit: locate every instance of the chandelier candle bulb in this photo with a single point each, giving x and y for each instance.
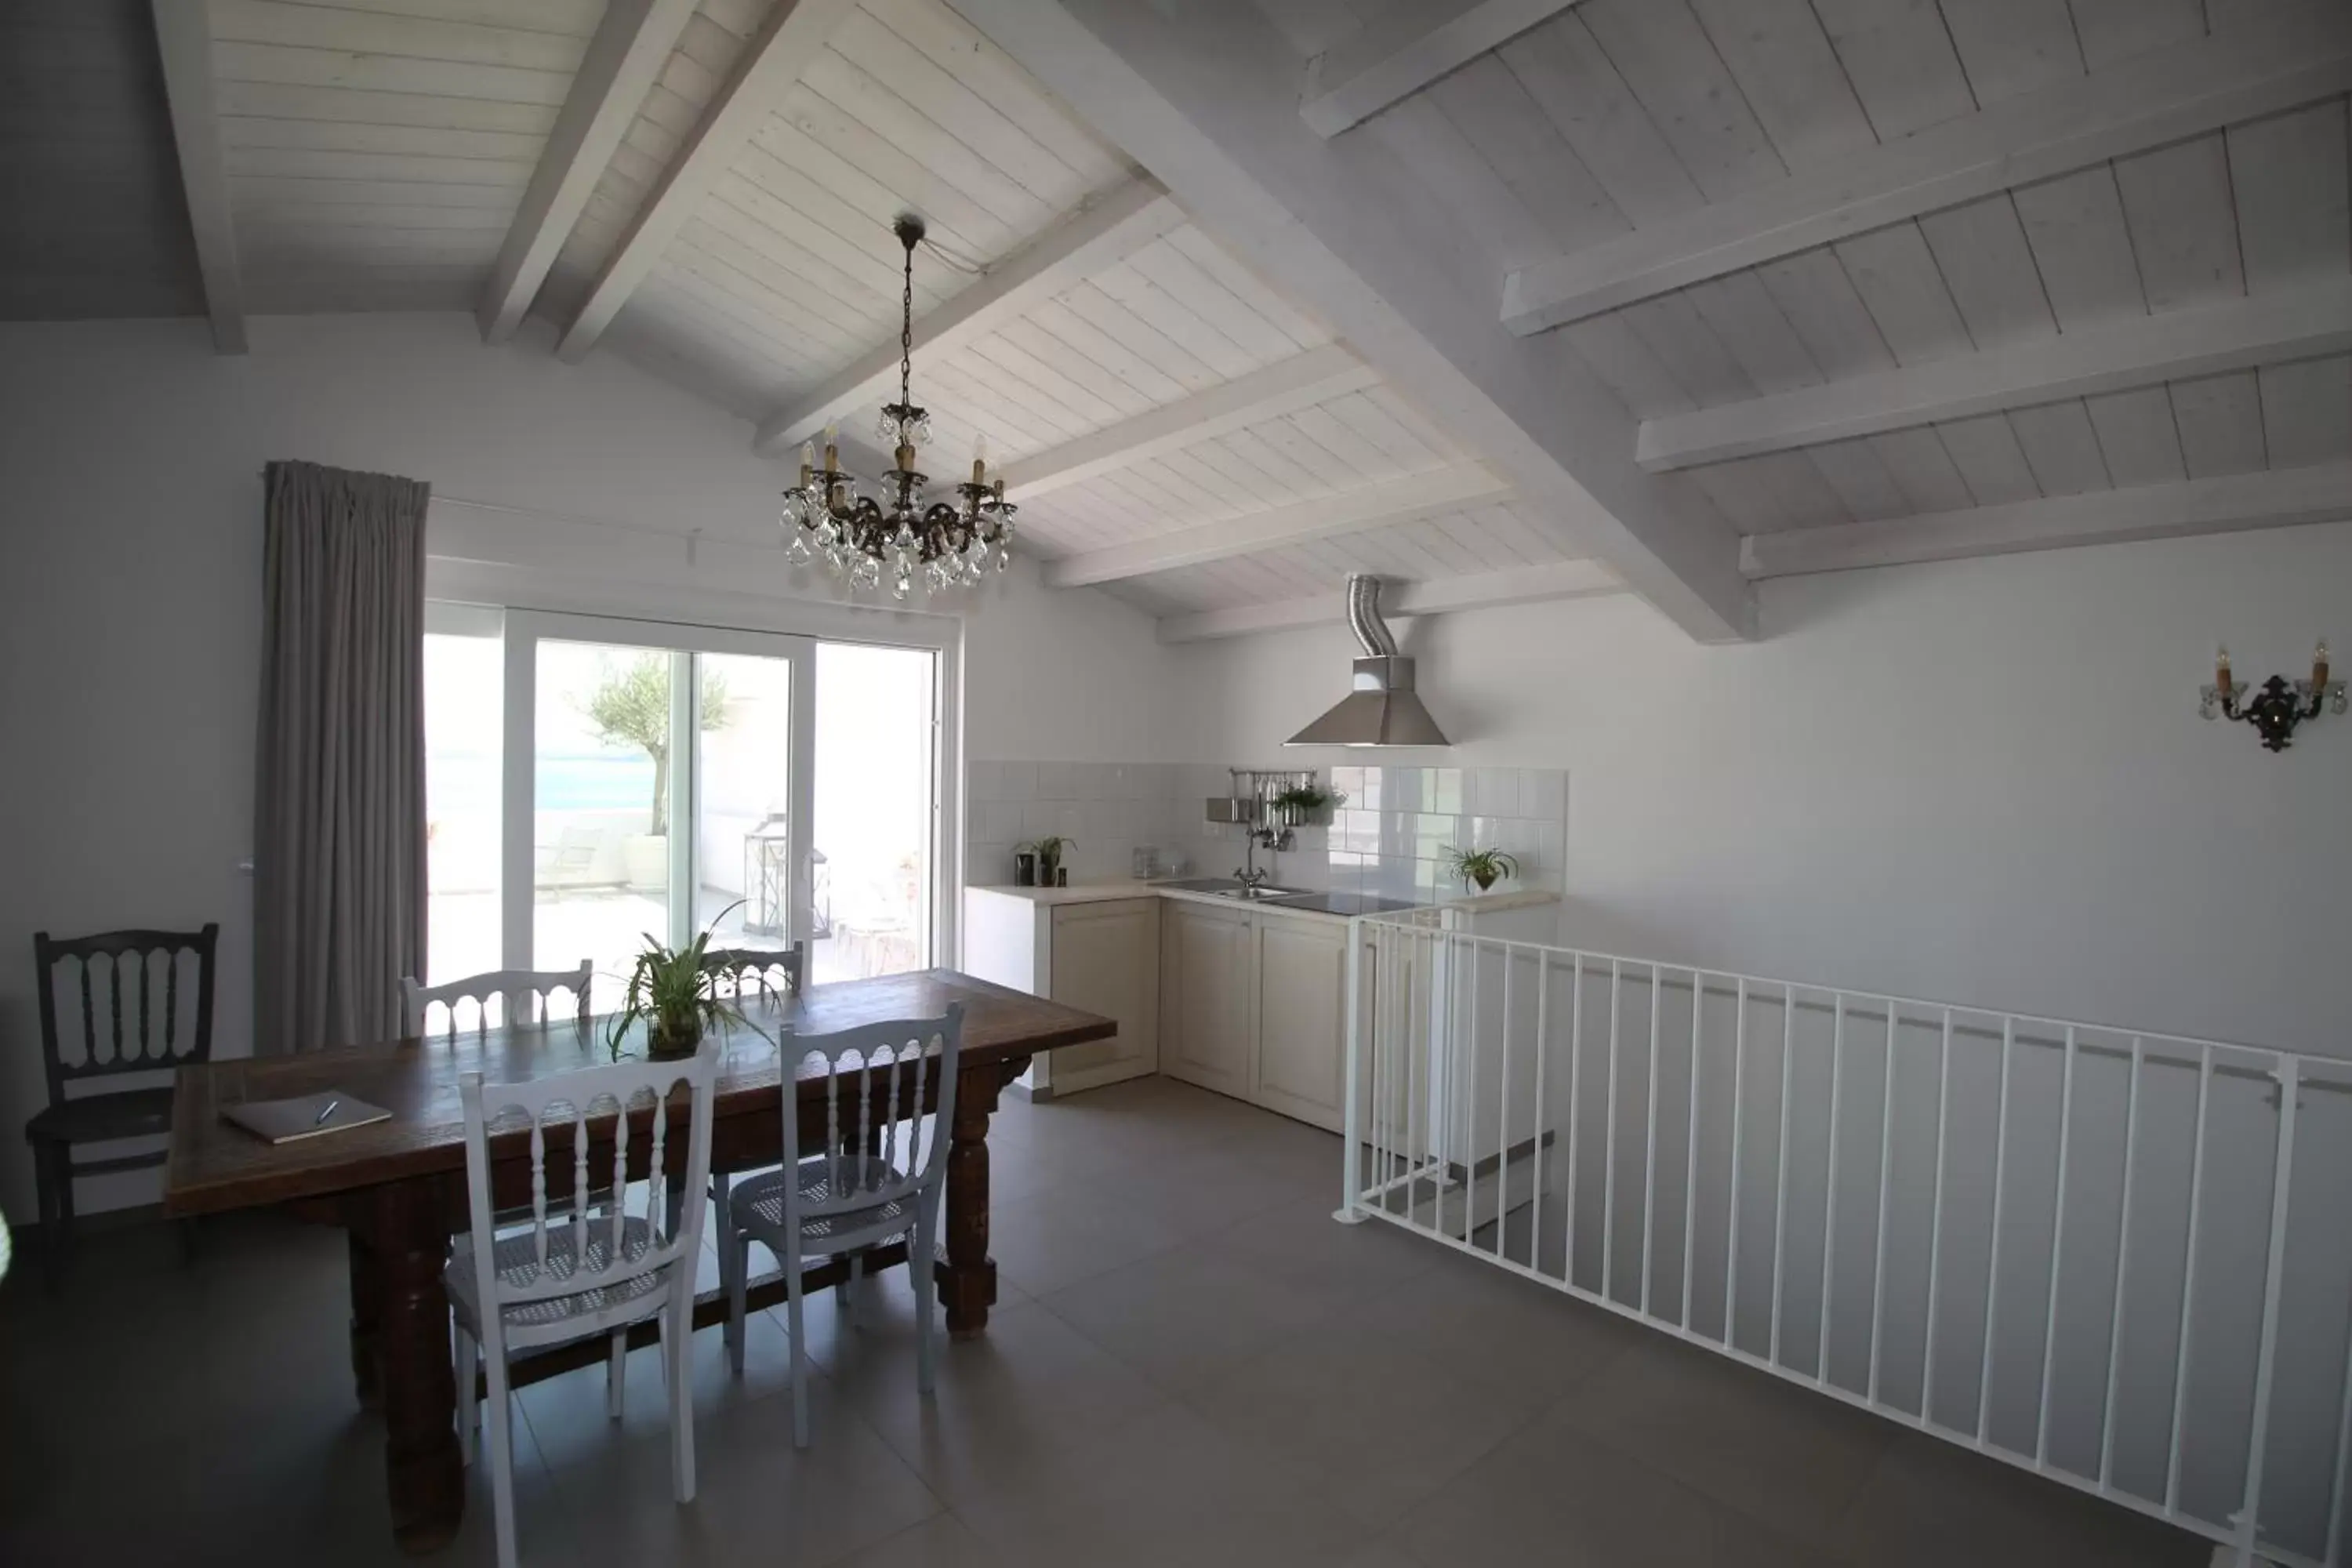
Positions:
(2319, 667)
(2222, 670)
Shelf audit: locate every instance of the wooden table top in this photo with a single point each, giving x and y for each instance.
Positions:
(214, 1166)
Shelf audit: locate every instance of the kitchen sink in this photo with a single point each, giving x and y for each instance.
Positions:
(1230, 887)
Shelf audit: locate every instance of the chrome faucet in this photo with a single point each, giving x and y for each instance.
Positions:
(1247, 874)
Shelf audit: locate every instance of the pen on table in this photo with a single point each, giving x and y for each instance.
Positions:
(325, 1112)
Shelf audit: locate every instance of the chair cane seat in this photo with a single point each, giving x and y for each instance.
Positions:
(757, 1205)
(98, 1118)
(517, 1259)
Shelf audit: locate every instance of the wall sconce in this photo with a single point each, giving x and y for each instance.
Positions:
(2278, 705)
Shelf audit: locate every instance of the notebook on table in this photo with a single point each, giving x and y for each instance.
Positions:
(304, 1116)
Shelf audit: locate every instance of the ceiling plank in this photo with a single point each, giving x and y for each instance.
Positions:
(1206, 96)
(2148, 349)
(631, 46)
(2299, 57)
(1433, 493)
(1302, 381)
(1104, 231)
(184, 32)
(1402, 601)
(1406, 50)
(763, 73)
(2279, 497)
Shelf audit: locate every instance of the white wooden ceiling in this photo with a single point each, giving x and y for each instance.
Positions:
(1177, 431)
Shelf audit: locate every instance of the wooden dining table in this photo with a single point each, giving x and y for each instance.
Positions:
(398, 1187)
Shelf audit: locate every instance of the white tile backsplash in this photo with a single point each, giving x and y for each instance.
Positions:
(1388, 835)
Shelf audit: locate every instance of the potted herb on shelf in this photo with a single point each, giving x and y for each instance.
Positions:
(1297, 804)
(1483, 867)
(675, 997)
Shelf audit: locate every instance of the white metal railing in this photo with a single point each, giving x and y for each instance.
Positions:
(2115, 1257)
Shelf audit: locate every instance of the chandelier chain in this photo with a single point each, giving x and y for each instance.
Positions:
(907, 331)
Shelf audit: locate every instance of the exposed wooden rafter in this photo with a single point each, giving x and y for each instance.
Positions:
(1429, 494)
(631, 44)
(2297, 57)
(1104, 231)
(2176, 345)
(184, 32)
(1299, 382)
(1206, 96)
(2278, 498)
(1439, 596)
(1406, 50)
(763, 73)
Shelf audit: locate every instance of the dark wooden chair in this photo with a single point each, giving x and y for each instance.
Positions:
(124, 1033)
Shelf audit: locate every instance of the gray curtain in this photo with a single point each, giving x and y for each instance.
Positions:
(339, 816)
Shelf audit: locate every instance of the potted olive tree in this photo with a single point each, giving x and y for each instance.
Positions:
(630, 706)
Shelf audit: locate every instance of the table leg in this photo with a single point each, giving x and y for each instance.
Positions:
(367, 1304)
(424, 1477)
(968, 1279)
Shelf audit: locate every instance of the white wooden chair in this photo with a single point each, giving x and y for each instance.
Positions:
(878, 1178)
(516, 988)
(580, 1268)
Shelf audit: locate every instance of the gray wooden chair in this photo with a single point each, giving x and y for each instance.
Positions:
(778, 969)
(572, 1270)
(879, 1177)
(515, 989)
(128, 1030)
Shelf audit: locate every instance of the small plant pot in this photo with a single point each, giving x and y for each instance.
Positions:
(1025, 869)
(1049, 873)
(670, 1046)
(1484, 882)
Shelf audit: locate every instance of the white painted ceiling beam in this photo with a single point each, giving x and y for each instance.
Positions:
(1206, 96)
(2298, 56)
(1285, 386)
(184, 31)
(763, 73)
(1408, 48)
(1104, 231)
(631, 44)
(2278, 498)
(1402, 601)
(2175, 346)
(1433, 493)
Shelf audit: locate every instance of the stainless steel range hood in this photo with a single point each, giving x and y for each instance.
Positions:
(1383, 710)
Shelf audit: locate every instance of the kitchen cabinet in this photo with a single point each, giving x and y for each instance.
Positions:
(1102, 955)
(1300, 1063)
(1208, 996)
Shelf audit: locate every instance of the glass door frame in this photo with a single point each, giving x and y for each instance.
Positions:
(524, 631)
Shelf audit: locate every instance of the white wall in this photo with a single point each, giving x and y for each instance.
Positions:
(131, 460)
(1980, 781)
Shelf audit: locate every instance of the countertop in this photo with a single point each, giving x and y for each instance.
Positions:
(1104, 892)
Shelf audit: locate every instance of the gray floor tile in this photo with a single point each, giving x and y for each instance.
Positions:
(1181, 1316)
(1071, 1233)
(1930, 1503)
(1776, 1452)
(1301, 1246)
(1379, 1428)
(941, 1540)
(1550, 1494)
(1500, 1330)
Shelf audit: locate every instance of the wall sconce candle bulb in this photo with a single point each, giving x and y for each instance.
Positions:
(2277, 706)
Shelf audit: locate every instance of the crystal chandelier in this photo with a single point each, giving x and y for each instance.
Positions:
(857, 537)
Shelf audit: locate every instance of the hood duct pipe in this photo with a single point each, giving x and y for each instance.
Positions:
(1381, 709)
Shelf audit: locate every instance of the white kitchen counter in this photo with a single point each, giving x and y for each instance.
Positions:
(1104, 892)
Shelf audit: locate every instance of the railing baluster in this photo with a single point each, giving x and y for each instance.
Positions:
(1885, 1155)
(1935, 1222)
(2188, 1278)
(1608, 1146)
(1781, 1187)
(1503, 1113)
(1535, 1160)
(2273, 1272)
(1739, 1109)
(2123, 1269)
(1829, 1196)
(1464, 1119)
(1993, 1253)
(1414, 1075)
(1649, 1141)
(1575, 1098)
(2342, 1452)
(2057, 1253)
(1690, 1147)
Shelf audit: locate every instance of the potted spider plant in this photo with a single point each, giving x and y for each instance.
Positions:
(675, 997)
(1483, 867)
(1048, 851)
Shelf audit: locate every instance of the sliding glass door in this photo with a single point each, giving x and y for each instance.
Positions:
(652, 779)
